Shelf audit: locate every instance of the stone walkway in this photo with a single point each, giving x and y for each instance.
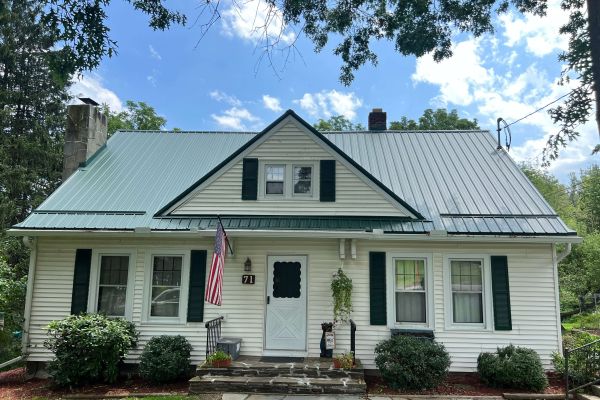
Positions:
(242, 396)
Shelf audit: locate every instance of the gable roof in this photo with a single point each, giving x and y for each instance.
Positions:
(454, 180)
(310, 130)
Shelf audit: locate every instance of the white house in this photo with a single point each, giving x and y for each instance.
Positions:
(439, 231)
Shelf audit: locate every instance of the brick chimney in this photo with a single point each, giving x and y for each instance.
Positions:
(377, 120)
(86, 133)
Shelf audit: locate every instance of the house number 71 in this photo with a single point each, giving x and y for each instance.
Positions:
(248, 279)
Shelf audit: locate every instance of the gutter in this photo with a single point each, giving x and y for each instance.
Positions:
(376, 235)
(32, 244)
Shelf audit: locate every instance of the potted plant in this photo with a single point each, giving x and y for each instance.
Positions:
(341, 290)
(343, 361)
(219, 359)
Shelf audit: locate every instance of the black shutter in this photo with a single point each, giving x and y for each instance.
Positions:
(501, 293)
(327, 183)
(250, 179)
(377, 300)
(197, 281)
(81, 281)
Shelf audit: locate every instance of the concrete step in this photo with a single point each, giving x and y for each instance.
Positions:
(283, 371)
(279, 384)
(586, 396)
(595, 389)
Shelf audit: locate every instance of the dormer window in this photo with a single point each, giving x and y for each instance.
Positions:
(294, 180)
(274, 179)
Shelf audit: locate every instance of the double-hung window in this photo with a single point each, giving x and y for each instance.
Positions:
(166, 286)
(289, 180)
(411, 299)
(467, 291)
(111, 279)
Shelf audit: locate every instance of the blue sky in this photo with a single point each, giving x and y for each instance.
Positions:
(224, 82)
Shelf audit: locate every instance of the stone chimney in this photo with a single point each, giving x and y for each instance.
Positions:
(377, 120)
(86, 133)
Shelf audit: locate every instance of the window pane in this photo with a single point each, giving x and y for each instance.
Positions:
(165, 302)
(274, 187)
(410, 274)
(286, 279)
(113, 270)
(166, 271)
(466, 276)
(275, 172)
(467, 307)
(111, 300)
(302, 180)
(410, 307)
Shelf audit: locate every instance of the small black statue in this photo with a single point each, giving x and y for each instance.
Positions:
(326, 327)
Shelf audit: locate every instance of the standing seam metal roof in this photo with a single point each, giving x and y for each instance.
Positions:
(456, 179)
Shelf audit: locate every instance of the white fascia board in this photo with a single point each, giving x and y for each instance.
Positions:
(302, 234)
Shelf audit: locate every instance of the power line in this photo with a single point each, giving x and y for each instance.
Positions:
(541, 108)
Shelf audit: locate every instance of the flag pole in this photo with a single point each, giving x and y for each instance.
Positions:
(226, 237)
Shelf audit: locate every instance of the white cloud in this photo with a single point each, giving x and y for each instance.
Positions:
(540, 34)
(325, 104)
(255, 21)
(272, 103)
(236, 118)
(151, 79)
(223, 97)
(92, 86)
(154, 54)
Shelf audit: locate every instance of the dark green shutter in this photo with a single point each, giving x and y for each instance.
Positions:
(197, 281)
(377, 285)
(327, 182)
(249, 178)
(81, 281)
(501, 293)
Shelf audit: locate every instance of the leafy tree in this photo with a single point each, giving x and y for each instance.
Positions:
(589, 198)
(32, 99)
(337, 123)
(439, 119)
(136, 116)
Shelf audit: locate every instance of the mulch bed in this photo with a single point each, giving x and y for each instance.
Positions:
(459, 384)
(13, 386)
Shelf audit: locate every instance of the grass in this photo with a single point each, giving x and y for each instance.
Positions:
(588, 321)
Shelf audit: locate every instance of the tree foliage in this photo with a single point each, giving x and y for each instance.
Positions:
(439, 119)
(337, 123)
(137, 116)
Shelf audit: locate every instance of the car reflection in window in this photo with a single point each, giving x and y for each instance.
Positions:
(166, 303)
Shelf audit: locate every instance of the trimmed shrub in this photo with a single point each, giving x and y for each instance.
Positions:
(88, 348)
(583, 365)
(166, 359)
(512, 367)
(407, 362)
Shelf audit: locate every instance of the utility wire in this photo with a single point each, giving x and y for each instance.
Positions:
(541, 108)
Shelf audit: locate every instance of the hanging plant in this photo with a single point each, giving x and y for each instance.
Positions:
(341, 289)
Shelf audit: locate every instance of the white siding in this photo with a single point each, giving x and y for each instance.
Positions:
(530, 271)
(289, 144)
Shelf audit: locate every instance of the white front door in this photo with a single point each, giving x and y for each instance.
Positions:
(286, 303)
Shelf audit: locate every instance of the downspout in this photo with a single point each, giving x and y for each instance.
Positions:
(31, 243)
(563, 254)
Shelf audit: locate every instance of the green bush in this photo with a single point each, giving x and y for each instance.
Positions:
(88, 348)
(165, 359)
(583, 365)
(512, 367)
(412, 363)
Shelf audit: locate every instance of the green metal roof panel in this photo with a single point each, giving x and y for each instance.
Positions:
(455, 179)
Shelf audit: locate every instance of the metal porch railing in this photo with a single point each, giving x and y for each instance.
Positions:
(353, 341)
(586, 359)
(213, 334)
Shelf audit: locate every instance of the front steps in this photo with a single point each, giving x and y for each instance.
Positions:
(594, 395)
(250, 375)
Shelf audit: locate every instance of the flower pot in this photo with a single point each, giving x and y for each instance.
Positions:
(221, 364)
(337, 363)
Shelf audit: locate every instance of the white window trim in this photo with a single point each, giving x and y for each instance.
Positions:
(288, 181)
(487, 324)
(391, 291)
(95, 278)
(183, 294)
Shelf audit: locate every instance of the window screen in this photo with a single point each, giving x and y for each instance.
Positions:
(286, 279)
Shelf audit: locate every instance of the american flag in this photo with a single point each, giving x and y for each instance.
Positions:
(214, 287)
